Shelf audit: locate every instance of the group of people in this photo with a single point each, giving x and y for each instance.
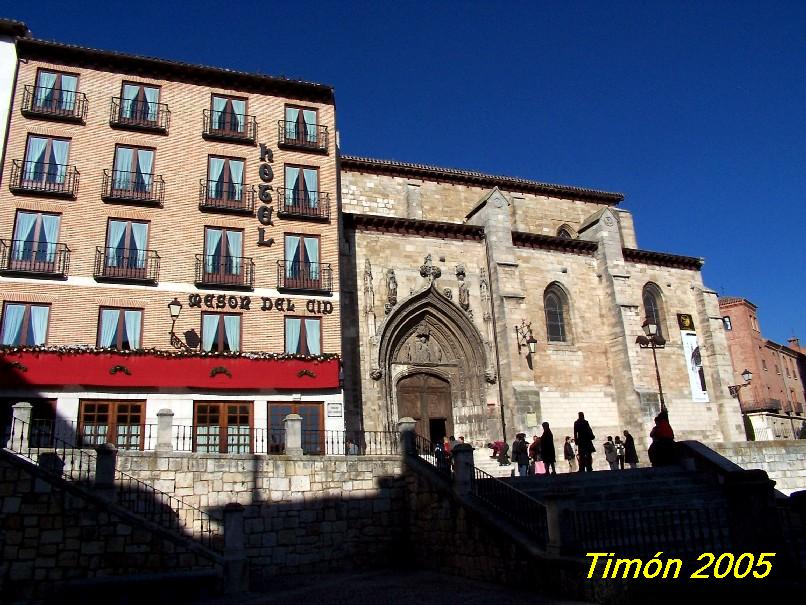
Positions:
(539, 457)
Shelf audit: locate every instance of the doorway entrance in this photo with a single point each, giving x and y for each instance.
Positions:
(427, 399)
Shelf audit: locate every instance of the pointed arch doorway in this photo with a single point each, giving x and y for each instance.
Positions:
(426, 398)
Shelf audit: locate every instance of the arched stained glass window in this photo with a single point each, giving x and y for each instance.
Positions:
(653, 310)
(555, 303)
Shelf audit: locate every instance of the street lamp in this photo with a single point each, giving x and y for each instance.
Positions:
(653, 340)
(735, 391)
(175, 308)
(525, 338)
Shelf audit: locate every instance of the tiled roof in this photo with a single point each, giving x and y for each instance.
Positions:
(176, 70)
(730, 300)
(509, 183)
(10, 27)
(663, 259)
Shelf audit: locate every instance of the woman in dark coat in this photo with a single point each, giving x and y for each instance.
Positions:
(547, 451)
(630, 455)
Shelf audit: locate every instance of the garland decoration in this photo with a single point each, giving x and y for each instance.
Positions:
(305, 372)
(219, 370)
(116, 369)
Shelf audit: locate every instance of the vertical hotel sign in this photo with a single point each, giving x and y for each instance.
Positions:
(693, 357)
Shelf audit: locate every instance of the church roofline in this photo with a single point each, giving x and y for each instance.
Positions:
(551, 242)
(70, 54)
(408, 226)
(469, 177)
(663, 259)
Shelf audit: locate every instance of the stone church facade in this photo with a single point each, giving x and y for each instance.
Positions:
(448, 273)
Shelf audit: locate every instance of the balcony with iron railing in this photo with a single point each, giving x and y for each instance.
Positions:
(133, 188)
(54, 104)
(139, 115)
(34, 258)
(215, 196)
(294, 135)
(229, 126)
(122, 265)
(305, 276)
(45, 179)
(303, 204)
(225, 271)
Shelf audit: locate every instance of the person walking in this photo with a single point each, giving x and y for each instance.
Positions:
(610, 453)
(620, 453)
(661, 451)
(570, 455)
(534, 455)
(547, 451)
(583, 435)
(630, 455)
(520, 454)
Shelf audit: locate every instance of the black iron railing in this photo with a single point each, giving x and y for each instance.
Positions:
(296, 275)
(639, 531)
(433, 454)
(127, 265)
(125, 186)
(229, 126)
(292, 134)
(349, 443)
(43, 178)
(54, 103)
(219, 270)
(20, 256)
(227, 197)
(139, 115)
(307, 204)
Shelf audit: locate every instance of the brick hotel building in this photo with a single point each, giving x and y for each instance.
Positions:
(129, 183)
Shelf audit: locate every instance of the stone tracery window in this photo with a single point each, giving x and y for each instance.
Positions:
(653, 306)
(555, 303)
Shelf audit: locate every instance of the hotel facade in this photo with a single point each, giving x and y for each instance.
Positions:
(168, 241)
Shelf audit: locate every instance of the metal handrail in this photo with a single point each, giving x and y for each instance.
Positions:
(44, 178)
(43, 258)
(309, 204)
(132, 264)
(289, 133)
(144, 115)
(248, 132)
(62, 104)
(147, 188)
(233, 271)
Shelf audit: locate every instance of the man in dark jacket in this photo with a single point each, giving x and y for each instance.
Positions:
(520, 454)
(583, 435)
(547, 451)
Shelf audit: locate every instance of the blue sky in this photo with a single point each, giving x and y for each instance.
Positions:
(695, 110)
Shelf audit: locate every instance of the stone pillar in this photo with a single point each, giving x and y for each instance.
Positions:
(20, 427)
(462, 455)
(235, 568)
(559, 508)
(105, 462)
(293, 435)
(165, 421)
(406, 427)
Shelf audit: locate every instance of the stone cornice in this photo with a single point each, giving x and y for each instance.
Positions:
(552, 242)
(407, 226)
(351, 163)
(662, 259)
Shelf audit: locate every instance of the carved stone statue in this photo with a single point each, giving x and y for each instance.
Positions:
(391, 287)
(484, 288)
(464, 294)
(429, 271)
(421, 348)
(369, 294)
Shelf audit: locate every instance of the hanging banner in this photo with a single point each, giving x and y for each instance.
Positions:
(696, 375)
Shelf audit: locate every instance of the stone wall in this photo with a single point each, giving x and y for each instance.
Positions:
(53, 534)
(783, 460)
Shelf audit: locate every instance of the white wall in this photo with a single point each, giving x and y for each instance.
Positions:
(8, 70)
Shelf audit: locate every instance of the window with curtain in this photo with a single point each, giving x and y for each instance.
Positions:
(133, 170)
(225, 178)
(301, 187)
(223, 250)
(35, 238)
(312, 426)
(300, 126)
(120, 328)
(139, 103)
(555, 303)
(653, 311)
(221, 332)
(303, 335)
(24, 324)
(126, 244)
(55, 91)
(45, 161)
(228, 115)
(118, 422)
(223, 427)
(302, 268)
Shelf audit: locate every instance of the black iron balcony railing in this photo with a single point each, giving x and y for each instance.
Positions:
(34, 258)
(229, 271)
(54, 104)
(125, 186)
(228, 126)
(302, 136)
(306, 204)
(40, 178)
(139, 115)
(227, 197)
(120, 264)
(296, 275)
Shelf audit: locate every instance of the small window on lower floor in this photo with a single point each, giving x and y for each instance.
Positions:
(24, 324)
(118, 422)
(726, 322)
(223, 427)
(221, 332)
